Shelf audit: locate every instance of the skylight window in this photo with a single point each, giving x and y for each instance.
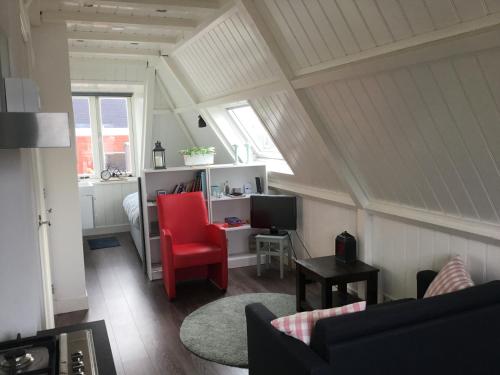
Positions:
(250, 129)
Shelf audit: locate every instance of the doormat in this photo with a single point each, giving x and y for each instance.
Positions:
(103, 243)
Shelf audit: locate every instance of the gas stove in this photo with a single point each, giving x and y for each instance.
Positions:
(63, 354)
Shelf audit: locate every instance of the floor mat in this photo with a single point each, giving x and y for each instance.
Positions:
(103, 243)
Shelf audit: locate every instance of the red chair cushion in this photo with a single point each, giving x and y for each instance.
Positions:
(195, 254)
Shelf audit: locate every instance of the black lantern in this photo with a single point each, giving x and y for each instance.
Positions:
(158, 156)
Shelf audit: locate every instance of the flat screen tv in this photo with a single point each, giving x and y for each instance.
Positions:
(274, 212)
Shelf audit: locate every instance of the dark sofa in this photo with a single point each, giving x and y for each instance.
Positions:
(456, 333)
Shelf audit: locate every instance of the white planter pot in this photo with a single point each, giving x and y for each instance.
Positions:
(202, 159)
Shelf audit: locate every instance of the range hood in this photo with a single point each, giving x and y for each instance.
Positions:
(21, 125)
(32, 130)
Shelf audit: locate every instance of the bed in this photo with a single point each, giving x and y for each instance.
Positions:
(132, 207)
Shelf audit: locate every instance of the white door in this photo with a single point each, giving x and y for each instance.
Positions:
(43, 213)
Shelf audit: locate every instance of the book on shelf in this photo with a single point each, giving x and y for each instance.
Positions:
(198, 184)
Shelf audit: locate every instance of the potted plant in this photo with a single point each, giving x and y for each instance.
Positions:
(198, 155)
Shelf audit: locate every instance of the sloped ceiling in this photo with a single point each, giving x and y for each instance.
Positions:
(298, 140)
(228, 56)
(318, 31)
(424, 135)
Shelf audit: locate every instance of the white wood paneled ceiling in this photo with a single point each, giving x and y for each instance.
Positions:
(315, 32)
(298, 140)
(425, 136)
(149, 27)
(227, 56)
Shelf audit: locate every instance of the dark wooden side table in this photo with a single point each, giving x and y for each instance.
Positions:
(329, 272)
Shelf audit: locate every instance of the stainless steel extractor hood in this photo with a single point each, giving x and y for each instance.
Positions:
(21, 123)
(33, 129)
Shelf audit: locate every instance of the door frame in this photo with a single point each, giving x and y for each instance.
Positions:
(43, 216)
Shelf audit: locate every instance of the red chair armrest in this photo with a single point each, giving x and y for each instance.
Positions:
(166, 241)
(217, 236)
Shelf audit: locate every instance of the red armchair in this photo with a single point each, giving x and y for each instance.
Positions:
(191, 248)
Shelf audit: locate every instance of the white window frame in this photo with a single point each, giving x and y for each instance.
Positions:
(249, 139)
(96, 132)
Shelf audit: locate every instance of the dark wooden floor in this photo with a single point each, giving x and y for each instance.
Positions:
(142, 324)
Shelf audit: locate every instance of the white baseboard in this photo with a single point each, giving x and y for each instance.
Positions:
(107, 230)
(69, 305)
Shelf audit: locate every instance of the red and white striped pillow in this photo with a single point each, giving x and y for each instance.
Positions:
(452, 277)
(300, 325)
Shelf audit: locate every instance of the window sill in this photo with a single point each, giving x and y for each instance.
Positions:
(98, 181)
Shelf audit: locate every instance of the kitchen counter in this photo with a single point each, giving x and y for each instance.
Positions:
(103, 352)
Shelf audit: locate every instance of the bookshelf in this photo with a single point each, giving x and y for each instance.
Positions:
(219, 207)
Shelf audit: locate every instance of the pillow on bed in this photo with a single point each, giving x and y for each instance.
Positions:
(132, 209)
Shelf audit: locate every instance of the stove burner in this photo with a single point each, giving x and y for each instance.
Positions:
(16, 359)
(25, 360)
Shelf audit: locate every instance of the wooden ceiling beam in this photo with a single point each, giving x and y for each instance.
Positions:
(120, 37)
(182, 5)
(103, 18)
(113, 51)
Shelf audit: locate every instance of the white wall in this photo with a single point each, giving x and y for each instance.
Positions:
(400, 249)
(206, 137)
(109, 70)
(20, 273)
(108, 204)
(319, 222)
(168, 130)
(53, 77)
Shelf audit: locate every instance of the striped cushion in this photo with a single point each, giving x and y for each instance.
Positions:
(452, 277)
(300, 325)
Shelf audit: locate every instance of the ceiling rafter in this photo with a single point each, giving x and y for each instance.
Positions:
(120, 37)
(180, 5)
(102, 18)
(311, 76)
(338, 162)
(113, 51)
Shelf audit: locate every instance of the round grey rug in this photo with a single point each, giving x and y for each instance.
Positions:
(218, 332)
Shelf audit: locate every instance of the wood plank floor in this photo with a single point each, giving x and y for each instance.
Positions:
(143, 325)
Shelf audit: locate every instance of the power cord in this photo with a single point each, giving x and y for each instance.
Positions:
(301, 242)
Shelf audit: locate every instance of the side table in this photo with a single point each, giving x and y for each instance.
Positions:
(329, 272)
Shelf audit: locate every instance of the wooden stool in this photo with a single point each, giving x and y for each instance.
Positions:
(283, 245)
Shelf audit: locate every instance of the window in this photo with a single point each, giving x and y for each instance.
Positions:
(103, 134)
(249, 129)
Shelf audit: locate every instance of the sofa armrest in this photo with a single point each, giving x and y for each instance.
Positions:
(271, 352)
(424, 279)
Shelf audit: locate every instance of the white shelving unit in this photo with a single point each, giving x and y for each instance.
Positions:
(218, 207)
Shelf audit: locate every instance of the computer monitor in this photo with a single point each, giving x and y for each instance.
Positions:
(273, 212)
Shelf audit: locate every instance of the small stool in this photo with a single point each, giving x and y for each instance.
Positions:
(283, 245)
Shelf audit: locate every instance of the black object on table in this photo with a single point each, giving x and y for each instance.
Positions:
(103, 353)
(329, 272)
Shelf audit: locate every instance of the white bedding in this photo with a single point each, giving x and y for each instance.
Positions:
(132, 209)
